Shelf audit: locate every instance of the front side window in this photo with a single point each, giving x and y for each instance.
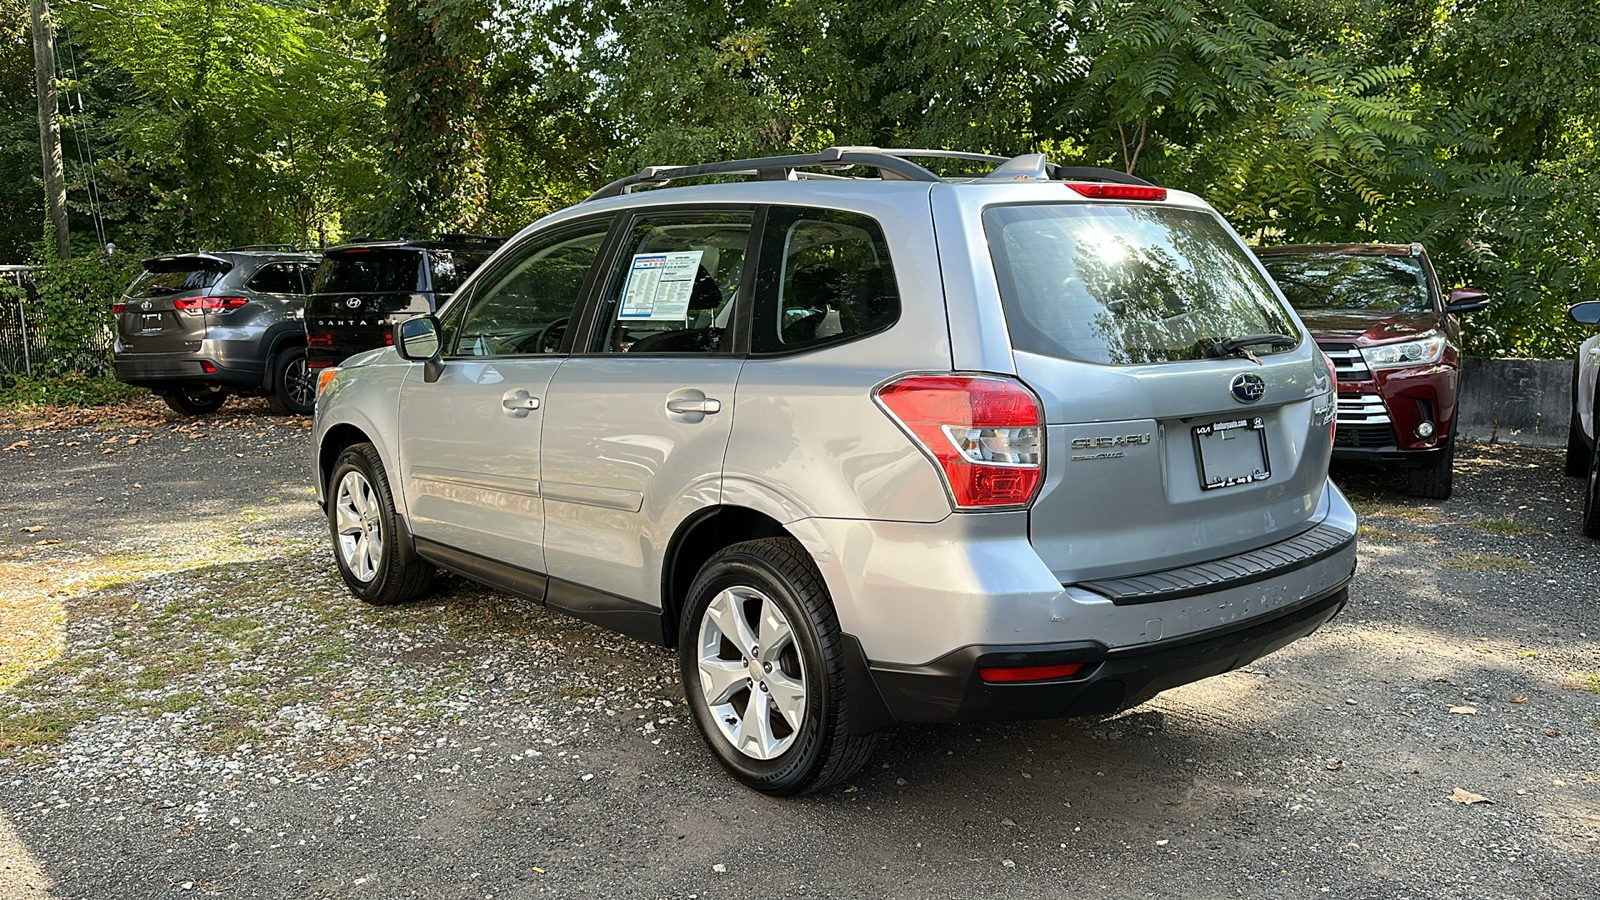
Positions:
(674, 285)
(828, 279)
(525, 312)
(1125, 285)
(1318, 281)
(369, 270)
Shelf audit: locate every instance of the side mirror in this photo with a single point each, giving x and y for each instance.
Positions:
(1465, 300)
(1586, 313)
(417, 340)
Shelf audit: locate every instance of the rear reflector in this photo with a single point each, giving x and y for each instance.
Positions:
(318, 364)
(984, 432)
(1029, 673)
(1102, 191)
(208, 367)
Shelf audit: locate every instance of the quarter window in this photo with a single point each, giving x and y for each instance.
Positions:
(827, 279)
(526, 311)
(278, 278)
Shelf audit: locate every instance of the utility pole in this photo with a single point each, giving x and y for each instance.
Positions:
(44, 76)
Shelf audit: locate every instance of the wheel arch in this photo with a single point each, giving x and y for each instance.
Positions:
(697, 539)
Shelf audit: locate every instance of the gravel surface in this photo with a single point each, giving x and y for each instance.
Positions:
(190, 703)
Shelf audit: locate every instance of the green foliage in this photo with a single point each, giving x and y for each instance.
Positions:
(71, 389)
(73, 313)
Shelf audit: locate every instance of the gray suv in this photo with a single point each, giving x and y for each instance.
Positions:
(1031, 443)
(196, 328)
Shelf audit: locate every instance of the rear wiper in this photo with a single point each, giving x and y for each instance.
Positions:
(1238, 344)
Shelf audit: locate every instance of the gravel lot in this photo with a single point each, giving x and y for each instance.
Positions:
(190, 703)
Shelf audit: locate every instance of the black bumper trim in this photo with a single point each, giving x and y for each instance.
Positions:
(1304, 549)
(949, 689)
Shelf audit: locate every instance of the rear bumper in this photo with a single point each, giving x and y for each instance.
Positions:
(1388, 455)
(162, 372)
(949, 689)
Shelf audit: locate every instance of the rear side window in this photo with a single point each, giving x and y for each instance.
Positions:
(369, 271)
(277, 278)
(451, 268)
(1351, 281)
(1120, 285)
(176, 279)
(826, 278)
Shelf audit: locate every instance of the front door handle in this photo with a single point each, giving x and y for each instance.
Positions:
(704, 405)
(519, 403)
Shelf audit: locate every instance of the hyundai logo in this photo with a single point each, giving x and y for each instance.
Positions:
(353, 303)
(1247, 387)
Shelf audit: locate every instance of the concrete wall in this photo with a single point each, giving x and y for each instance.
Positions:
(1516, 401)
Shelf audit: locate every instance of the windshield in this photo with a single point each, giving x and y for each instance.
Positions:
(1351, 281)
(1120, 285)
(369, 271)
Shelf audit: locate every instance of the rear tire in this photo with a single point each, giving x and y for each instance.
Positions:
(294, 389)
(364, 527)
(775, 716)
(196, 401)
(1435, 480)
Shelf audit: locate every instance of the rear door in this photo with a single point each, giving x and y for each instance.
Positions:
(637, 425)
(469, 448)
(1163, 448)
(162, 312)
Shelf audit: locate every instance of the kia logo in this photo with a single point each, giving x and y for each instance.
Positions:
(1247, 387)
(353, 303)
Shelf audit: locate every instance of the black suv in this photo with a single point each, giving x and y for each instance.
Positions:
(197, 327)
(362, 289)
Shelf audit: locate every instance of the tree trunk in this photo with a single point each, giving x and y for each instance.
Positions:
(44, 70)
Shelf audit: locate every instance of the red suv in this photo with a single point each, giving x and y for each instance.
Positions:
(1377, 312)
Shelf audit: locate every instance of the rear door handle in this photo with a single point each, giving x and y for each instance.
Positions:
(519, 403)
(685, 405)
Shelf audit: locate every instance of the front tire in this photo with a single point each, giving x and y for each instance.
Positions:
(294, 388)
(196, 400)
(362, 522)
(1591, 498)
(1435, 480)
(763, 670)
(1578, 450)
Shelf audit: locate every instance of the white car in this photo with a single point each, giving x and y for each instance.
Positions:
(1581, 461)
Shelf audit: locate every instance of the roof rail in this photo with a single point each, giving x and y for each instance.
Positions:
(286, 248)
(465, 238)
(893, 164)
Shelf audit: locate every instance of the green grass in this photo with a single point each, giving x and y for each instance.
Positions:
(1487, 562)
(1385, 536)
(1583, 682)
(1506, 527)
(1367, 507)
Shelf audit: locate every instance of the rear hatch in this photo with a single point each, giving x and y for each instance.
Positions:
(357, 293)
(1164, 447)
(161, 312)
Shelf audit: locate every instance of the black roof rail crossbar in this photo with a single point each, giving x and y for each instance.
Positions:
(286, 248)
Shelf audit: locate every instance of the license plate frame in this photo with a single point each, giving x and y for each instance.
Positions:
(150, 321)
(1233, 445)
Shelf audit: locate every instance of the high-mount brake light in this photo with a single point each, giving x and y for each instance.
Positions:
(1103, 191)
(1014, 674)
(209, 304)
(985, 433)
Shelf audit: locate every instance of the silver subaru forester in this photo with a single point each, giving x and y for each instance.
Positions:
(1033, 442)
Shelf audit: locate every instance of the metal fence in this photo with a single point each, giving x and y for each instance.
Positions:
(26, 348)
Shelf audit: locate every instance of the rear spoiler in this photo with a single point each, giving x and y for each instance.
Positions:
(184, 262)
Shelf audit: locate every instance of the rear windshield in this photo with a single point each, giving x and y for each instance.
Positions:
(176, 278)
(1120, 285)
(1351, 281)
(369, 271)
(451, 267)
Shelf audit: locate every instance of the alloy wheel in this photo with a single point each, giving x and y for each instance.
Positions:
(752, 675)
(360, 530)
(301, 387)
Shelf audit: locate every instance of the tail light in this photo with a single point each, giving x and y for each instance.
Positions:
(209, 304)
(1100, 191)
(319, 340)
(985, 433)
(117, 308)
(388, 338)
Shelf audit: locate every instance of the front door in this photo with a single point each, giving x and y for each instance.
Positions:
(470, 445)
(637, 425)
